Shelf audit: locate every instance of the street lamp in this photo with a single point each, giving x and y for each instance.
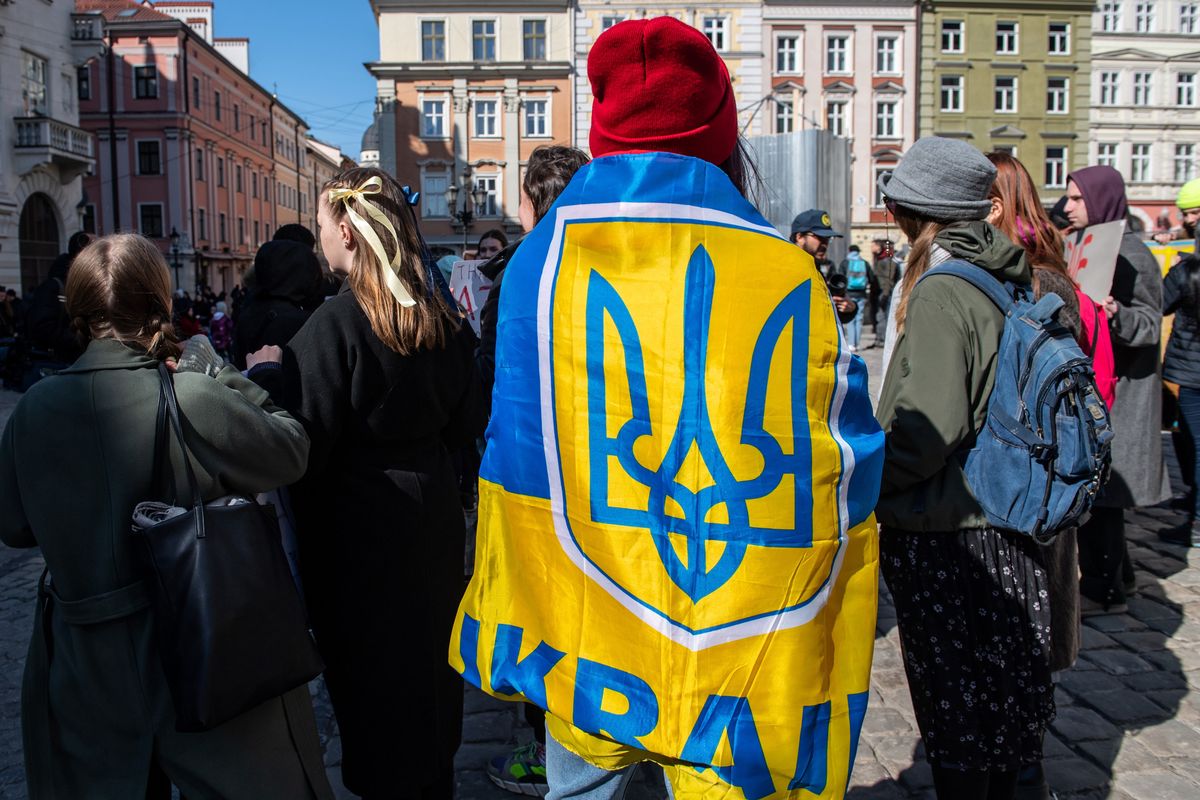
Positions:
(471, 200)
(175, 254)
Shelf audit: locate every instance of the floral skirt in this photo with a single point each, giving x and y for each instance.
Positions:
(973, 611)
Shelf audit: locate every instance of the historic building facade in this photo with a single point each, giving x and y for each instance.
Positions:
(45, 53)
(192, 153)
(1011, 76)
(851, 69)
(466, 90)
(1145, 117)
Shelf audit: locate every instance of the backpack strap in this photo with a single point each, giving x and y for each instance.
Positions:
(978, 277)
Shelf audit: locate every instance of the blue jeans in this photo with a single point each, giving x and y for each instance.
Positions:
(853, 328)
(1189, 424)
(571, 777)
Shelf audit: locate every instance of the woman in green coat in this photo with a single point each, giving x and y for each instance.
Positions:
(75, 459)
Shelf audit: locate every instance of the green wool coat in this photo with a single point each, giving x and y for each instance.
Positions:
(74, 460)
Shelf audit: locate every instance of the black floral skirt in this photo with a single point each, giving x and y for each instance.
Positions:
(973, 611)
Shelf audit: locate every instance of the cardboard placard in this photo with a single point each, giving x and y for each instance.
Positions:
(1092, 257)
(470, 288)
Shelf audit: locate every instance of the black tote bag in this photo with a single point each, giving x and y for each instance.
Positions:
(229, 623)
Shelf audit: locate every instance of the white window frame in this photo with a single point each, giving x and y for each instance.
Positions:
(137, 157)
(797, 55)
(1015, 94)
(1185, 162)
(785, 115)
(1145, 16)
(545, 38)
(1109, 91)
(960, 35)
(1189, 18)
(897, 56)
(494, 36)
(424, 100)
(162, 216)
(1059, 180)
(1058, 100)
(1141, 162)
(29, 81)
(1143, 90)
(877, 193)
(1010, 149)
(1054, 36)
(493, 195)
(716, 28)
(608, 20)
(847, 54)
(437, 196)
(843, 117)
(956, 90)
(1015, 34)
(1185, 91)
(1107, 154)
(1110, 16)
(546, 133)
(880, 104)
(423, 21)
(476, 118)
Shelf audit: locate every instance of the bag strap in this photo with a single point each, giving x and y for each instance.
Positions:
(168, 393)
(978, 277)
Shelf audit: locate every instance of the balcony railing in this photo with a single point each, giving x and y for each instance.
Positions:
(87, 27)
(44, 132)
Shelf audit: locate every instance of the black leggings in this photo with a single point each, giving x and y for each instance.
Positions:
(957, 784)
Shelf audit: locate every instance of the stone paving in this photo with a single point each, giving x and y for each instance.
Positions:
(1128, 724)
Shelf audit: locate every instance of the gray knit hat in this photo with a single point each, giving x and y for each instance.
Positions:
(945, 179)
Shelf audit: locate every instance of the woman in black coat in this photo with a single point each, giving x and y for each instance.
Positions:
(1181, 365)
(383, 378)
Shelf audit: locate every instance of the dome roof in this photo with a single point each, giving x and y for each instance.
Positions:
(370, 139)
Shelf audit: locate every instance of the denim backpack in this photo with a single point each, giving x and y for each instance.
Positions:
(1043, 453)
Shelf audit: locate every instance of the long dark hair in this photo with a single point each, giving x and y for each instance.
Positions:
(742, 170)
(1191, 287)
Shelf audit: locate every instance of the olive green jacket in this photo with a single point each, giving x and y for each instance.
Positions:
(75, 458)
(935, 393)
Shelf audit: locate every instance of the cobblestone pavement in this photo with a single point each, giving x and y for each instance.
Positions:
(1128, 724)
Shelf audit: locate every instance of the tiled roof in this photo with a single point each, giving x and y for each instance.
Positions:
(122, 10)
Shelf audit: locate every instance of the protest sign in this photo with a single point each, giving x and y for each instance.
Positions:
(470, 288)
(1092, 257)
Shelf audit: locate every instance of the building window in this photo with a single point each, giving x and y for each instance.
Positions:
(1143, 16)
(784, 110)
(257, 238)
(221, 227)
(217, 105)
(241, 239)
(483, 38)
(608, 21)
(485, 117)
(150, 219)
(1110, 17)
(1139, 171)
(885, 119)
(1185, 164)
(489, 207)
(717, 31)
(887, 55)
(1007, 149)
(220, 171)
(952, 93)
(1188, 14)
(1059, 43)
(877, 200)
(1110, 88)
(254, 187)
(237, 118)
(952, 36)
(835, 117)
(1056, 167)
(33, 85)
(433, 119)
(433, 40)
(1185, 89)
(1142, 81)
(837, 54)
(787, 54)
(1106, 154)
(433, 195)
(1057, 93)
(1006, 95)
(149, 158)
(266, 189)
(237, 178)
(83, 83)
(535, 118)
(145, 82)
(199, 165)
(202, 224)
(1006, 38)
(534, 37)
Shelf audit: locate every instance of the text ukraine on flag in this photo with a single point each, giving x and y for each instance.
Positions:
(677, 557)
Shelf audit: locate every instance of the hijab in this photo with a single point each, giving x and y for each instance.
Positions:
(1103, 191)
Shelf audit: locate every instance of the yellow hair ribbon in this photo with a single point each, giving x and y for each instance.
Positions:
(374, 186)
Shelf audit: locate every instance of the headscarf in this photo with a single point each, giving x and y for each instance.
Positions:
(1103, 191)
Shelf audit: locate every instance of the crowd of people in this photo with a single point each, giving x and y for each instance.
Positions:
(365, 394)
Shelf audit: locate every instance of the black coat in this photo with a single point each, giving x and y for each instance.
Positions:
(489, 315)
(381, 534)
(287, 278)
(47, 322)
(1181, 364)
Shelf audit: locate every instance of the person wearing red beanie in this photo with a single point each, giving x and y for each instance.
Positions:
(658, 85)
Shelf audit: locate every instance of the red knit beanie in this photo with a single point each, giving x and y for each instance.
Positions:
(659, 85)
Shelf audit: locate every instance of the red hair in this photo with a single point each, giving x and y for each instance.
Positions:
(1024, 220)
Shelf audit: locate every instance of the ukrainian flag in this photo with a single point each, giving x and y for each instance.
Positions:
(677, 555)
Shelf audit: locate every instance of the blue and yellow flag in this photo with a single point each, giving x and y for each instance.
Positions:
(677, 556)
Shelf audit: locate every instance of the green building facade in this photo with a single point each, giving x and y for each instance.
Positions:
(1012, 75)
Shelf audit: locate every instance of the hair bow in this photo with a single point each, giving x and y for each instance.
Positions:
(374, 185)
